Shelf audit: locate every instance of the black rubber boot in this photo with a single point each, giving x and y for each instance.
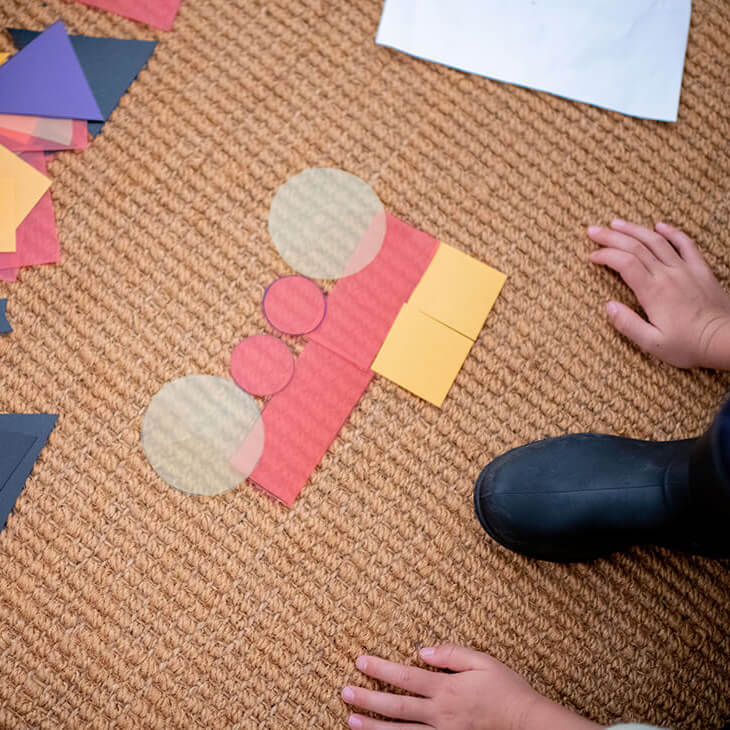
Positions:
(584, 496)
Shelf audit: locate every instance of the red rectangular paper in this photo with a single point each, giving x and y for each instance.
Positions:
(28, 143)
(157, 13)
(36, 238)
(303, 420)
(361, 308)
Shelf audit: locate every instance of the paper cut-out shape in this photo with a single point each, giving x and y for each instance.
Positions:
(29, 186)
(262, 365)
(4, 57)
(110, 65)
(192, 429)
(458, 291)
(7, 215)
(626, 55)
(422, 355)
(36, 237)
(8, 275)
(326, 223)
(304, 419)
(157, 13)
(362, 308)
(294, 305)
(42, 134)
(4, 324)
(45, 79)
(22, 437)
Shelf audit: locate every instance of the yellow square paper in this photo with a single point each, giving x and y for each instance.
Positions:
(422, 355)
(7, 215)
(29, 188)
(458, 291)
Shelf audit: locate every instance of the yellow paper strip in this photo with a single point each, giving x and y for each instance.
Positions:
(29, 187)
(7, 215)
(458, 291)
(422, 355)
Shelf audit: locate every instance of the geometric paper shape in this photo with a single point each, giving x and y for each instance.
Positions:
(109, 64)
(42, 134)
(45, 79)
(262, 365)
(192, 428)
(29, 186)
(157, 13)
(8, 275)
(361, 308)
(625, 55)
(458, 291)
(422, 355)
(4, 324)
(304, 419)
(7, 215)
(326, 223)
(36, 237)
(37, 427)
(294, 305)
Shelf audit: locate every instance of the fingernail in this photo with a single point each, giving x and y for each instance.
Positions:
(594, 229)
(354, 722)
(662, 224)
(361, 663)
(612, 308)
(427, 652)
(617, 222)
(348, 694)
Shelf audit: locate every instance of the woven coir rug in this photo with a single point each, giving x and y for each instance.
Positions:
(125, 603)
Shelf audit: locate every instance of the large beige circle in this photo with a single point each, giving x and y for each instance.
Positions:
(327, 223)
(193, 429)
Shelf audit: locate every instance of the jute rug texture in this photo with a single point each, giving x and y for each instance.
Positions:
(124, 603)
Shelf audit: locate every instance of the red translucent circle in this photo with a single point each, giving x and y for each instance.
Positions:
(262, 365)
(294, 305)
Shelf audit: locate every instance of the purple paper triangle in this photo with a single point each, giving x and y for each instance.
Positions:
(45, 79)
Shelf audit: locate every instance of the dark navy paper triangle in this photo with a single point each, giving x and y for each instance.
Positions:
(22, 437)
(4, 324)
(110, 66)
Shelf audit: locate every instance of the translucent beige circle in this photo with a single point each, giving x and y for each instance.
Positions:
(196, 427)
(327, 223)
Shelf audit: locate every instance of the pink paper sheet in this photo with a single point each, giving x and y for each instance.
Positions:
(157, 13)
(17, 141)
(362, 308)
(9, 275)
(294, 305)
(303, 420)
(36, 237)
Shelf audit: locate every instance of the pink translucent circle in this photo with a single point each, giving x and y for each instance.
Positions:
(294, 305)
(262, 365)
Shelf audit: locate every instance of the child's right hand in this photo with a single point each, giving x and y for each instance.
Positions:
(687, 308)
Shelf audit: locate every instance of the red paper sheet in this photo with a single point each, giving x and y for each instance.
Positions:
(362, 308)
(36, 238)
(303, 420)
(28, 143)
(157, 13)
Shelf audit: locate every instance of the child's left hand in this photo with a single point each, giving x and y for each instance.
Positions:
(481, 694)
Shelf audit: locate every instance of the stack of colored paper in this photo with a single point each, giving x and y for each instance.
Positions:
(54, 92)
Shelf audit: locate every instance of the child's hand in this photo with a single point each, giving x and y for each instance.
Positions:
(483, 694)
(688, 310)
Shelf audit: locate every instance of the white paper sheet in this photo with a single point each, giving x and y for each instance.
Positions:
(625, 55)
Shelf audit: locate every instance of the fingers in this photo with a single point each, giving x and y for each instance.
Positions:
(682, 242)
(627, 244)
(631, 325)
(632, 271)
(360, 722)
(456, 658)
(412, 679)
(400, 707)
(654, 242)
